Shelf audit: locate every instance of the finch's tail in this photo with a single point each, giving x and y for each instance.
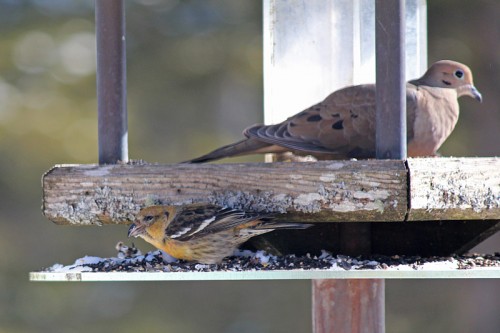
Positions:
(243, 147)
(284, 225)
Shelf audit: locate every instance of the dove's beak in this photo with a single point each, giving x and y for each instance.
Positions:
(474, 93)
(471, 91)
(135, 230)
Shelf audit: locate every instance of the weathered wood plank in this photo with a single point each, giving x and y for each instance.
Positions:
(326, 191)
(454, 188)
(315, 192)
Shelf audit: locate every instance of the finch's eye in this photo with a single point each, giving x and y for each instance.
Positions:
(148, 218)
(459, 74)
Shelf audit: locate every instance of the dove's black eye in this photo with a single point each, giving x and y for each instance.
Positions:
(459, 73)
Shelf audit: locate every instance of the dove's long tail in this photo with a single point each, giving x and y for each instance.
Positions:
(243, 147)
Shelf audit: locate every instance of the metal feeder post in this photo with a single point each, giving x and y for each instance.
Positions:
(111, 81)
(391, 83)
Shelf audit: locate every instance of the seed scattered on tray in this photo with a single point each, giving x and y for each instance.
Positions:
(130, 259)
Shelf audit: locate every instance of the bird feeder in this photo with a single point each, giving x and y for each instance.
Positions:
(311, 48)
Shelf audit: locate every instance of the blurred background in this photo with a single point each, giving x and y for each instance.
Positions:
(194, 82)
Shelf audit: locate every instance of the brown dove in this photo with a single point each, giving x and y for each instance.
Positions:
(342, 126)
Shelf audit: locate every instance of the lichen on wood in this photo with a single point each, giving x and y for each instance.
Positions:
(320, 191)
(454, 188)
(325, 191)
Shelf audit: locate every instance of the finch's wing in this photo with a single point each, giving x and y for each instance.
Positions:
(195, 221)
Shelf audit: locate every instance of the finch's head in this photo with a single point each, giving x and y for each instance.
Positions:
(151, 222)
(454, 75)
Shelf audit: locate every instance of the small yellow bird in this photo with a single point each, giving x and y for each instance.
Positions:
(202, 233)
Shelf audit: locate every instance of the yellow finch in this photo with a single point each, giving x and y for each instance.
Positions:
(202, 233)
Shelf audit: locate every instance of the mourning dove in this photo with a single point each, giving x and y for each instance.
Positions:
(343, 125)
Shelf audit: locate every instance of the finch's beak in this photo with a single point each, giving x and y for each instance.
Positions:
(135, 230)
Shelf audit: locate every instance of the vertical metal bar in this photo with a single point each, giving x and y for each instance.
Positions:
(362, 306)
(391, 86)
(111, 81)
(348, 306)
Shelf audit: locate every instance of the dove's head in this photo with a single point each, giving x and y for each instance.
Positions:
(451, 74)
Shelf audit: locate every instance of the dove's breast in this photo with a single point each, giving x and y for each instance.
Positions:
(435, 116)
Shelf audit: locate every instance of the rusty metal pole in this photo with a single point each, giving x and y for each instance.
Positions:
(111, 81)
(348, 306)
